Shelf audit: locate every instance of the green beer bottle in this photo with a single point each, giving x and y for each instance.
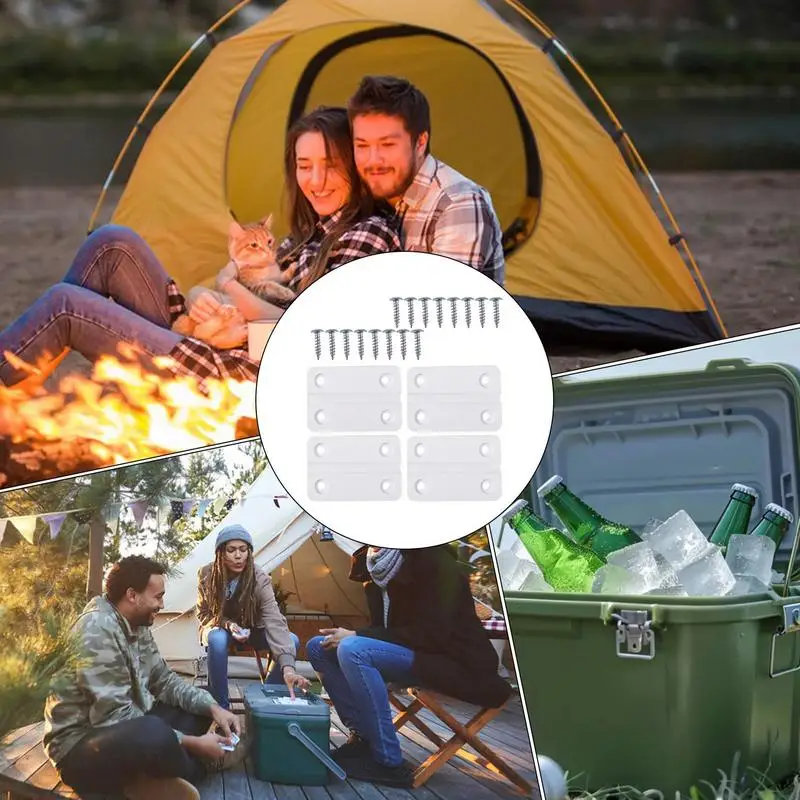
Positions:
(774, 522)
(583, 522)
(735, 517)
(566, 565)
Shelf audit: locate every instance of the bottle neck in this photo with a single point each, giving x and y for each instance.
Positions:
(734, 519)
(571, 510)
(772, 525)
(527, 520)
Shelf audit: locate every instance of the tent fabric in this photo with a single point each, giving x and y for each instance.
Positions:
(595, 261)
(285, 546)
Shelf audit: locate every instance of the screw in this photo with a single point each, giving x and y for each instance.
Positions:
(317, 342)
(360, 334)
(396, 310)
(346, 334)
(439, 314)
(375, 346)
(424, 301)
(496, 301)
(467, 310)
(332, 342)
(482, 310)
(389, 332)
(417, 343)
(403, 343)
(410, 301)
(453, 310)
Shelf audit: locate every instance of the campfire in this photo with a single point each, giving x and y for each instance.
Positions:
(118, 414)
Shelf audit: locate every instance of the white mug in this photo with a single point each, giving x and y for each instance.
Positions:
(258, 333)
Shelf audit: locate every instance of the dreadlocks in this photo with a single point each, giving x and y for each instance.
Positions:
(244, 596)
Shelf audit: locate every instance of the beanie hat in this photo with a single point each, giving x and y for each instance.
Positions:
(232, 533)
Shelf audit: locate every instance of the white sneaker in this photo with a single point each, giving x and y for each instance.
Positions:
(161, 789)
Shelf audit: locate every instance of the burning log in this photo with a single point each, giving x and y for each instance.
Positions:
(120, 413)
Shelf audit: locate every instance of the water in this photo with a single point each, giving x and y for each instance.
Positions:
(76, 147)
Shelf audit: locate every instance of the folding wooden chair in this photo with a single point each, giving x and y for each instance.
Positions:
(464, 735)
(263, 659)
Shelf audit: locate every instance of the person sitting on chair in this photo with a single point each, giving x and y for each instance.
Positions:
(236, 604)
(423, 632)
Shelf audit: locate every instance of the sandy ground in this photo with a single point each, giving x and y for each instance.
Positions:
(744, 230)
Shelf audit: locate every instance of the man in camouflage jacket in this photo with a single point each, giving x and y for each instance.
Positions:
(122, 717)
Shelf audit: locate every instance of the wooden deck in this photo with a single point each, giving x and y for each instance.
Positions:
(25, 771)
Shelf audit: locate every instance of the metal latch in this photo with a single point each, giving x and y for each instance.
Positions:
(791, 624)
(635, 637)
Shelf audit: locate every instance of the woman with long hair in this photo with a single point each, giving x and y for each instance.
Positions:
(236, 605)
(332, 219)
(423, 631)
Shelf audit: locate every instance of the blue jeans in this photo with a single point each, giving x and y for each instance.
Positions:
(218, 643)
(114, 263)
(355, 675)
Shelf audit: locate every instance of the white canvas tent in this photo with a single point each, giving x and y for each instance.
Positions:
(286, 546)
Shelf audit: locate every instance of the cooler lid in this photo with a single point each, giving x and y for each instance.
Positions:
(275, 701)
(643, 447)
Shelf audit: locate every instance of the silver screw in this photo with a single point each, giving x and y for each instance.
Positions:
(346, 335)
(417, 343)
(453, 310)
(424, 301)
(439, 313)
(496, 301)
(389, 332)
(403, 343)
(467, 310)
(318, 342)
(482, 310)
(410, 301)
(360, 334)
(375, 345)
(396, 310)
(332, 342)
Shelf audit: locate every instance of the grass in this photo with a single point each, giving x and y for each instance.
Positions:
(738, 784)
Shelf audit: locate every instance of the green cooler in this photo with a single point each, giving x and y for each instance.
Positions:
(663, 693)
(290, 740)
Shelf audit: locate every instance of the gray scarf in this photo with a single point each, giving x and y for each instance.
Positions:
(383, 564)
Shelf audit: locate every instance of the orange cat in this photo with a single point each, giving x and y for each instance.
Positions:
(252, 249)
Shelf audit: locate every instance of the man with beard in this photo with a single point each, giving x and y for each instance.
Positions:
(122, 720)
(441, 211)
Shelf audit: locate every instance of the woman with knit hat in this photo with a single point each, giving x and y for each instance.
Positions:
(236, 603)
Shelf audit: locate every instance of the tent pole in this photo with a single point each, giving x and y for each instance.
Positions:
(543, 29)
(138, 124)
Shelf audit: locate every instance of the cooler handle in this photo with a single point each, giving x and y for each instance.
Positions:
(301, 736)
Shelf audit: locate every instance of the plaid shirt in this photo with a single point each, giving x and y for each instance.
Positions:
(370, 236)
(195, 358)
(449, 215)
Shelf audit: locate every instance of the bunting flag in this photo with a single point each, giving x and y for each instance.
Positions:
(279, 497)
(202, 507)
(111, 515)
(139, 508)
(3, 523)
(188, 505)
(219, 504)
(175, 511)
(55, 521)
(25, 525)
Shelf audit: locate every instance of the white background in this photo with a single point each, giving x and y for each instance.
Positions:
(357, 295)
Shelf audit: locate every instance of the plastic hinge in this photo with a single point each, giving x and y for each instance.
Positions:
(635, 633)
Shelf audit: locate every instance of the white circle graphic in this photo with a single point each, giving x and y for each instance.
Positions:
(404, 400)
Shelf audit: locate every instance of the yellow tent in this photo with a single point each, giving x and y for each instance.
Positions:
(587, 256)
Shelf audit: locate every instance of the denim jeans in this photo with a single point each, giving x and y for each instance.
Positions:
(113, 264)
(108, 758)
(355, 675)
(218, 642)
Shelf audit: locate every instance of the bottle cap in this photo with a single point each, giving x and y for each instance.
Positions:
(514, 509)
(780, 511)
(740, 487)
(549, 485)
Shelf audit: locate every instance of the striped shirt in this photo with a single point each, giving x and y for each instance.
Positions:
(191, 357)
(447, 214)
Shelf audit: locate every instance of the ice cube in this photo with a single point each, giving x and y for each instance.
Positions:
(510, 567)
(675, 590)
(679, 540)
(707, 576)
(751, 556)
(613, 579)
(747, 584)
(651, 526)
(525, 570)
(639, 559)
(778, 577)
(534, 582)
